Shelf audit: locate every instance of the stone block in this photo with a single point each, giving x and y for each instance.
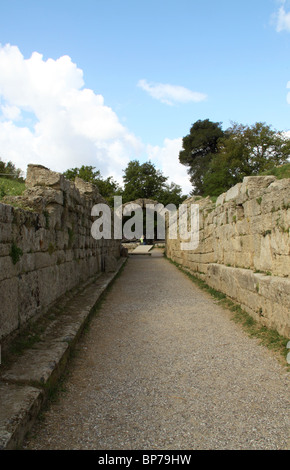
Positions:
(85, 187)
(221, 199)
(27, 263)
(6, 234)
(25, 237)
(49, 282)
(233, 192)
(38, 175)
(276, 289)
(9, 306)
(49, 195)
(6, 213)
(254, 185)
(43, 260)
(264, 257)
(244, 259)
(280, 243)
(110, 263)
(8, 270)
(281, 266)
(28, 296)
(252, 208)
(55, 216)
(21, 405)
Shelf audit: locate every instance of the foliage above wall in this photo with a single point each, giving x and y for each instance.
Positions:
(218, 159)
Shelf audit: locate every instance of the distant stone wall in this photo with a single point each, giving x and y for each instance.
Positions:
(244, 248)
(46, 246)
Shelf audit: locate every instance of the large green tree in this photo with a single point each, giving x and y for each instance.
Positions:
(171, 194)
(198, 149)
(246, 151)
(142, 181)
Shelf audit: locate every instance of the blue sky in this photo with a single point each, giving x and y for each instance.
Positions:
(101, 82)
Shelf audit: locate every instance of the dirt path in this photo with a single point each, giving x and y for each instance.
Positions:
(162, 366)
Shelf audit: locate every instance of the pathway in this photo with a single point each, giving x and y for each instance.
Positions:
(162, 366)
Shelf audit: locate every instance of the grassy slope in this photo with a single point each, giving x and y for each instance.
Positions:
(10, 187)
(280, 172)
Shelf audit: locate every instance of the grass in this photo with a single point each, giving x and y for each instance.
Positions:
(280, 172)
(11, 187)
(269, 338)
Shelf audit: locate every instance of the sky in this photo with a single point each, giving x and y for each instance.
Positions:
(103, 82)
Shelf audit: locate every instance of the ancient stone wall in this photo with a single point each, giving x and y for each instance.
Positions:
(46, 246)
(244, 248)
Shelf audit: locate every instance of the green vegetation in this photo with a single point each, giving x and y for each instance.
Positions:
(9, 170)
(11, 181)
(199, 148)
(15, 253)
(266, 232)
(108, 187)
(266, 336)
(217, 159)
(282, 171)
(145, 181)
(140, 181)
(11, 187)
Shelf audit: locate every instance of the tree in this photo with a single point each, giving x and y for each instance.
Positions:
(86, 173)
(8, 170)
(108, 187)
(246, 151)
(199, 148)
(172, 194)
(142, 181)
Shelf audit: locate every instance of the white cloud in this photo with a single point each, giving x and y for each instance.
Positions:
(282, 18)
(288, 94)
(68, 125)
(166, 158)
(12, 113)
(170, 94)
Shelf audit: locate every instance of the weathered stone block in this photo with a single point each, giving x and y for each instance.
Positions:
(6, 213)
(28, 296)
(48, 194)
(233, 192)
(9, 306)
(55, 216)
(38, 175)
(7, 268)
(49, 282)
(110, 263)
(244, 259)
(252, 208)
(221, 199)
(6, 234)
(252, 185)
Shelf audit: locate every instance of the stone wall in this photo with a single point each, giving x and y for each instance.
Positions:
(244, 248)
(46, 246)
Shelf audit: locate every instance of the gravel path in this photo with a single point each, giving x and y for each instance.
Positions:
(163, 367)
